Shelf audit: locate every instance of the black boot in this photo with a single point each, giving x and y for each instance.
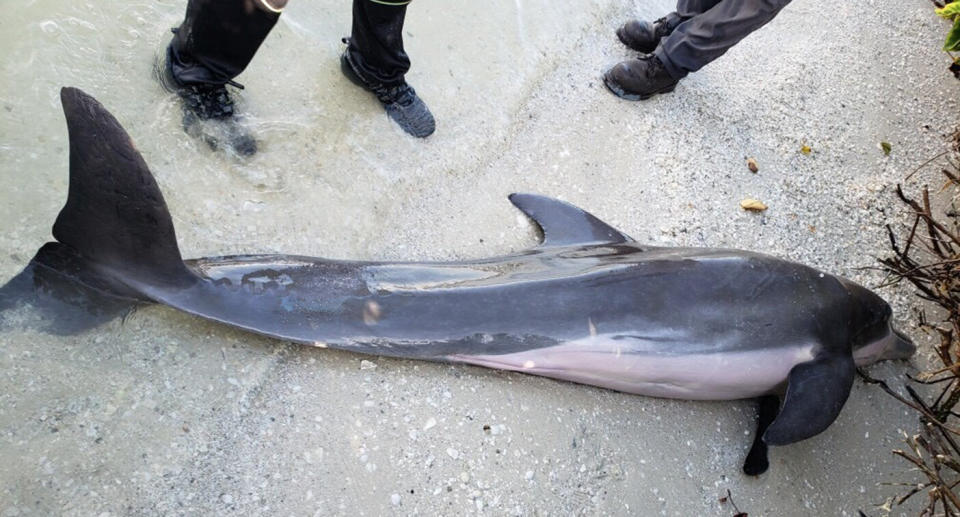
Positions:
(643, 36)
(216, 41)
(208, 113)
(639, 79)
(400, 100)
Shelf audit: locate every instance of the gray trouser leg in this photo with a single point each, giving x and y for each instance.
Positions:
(708, 35)
(690, 8)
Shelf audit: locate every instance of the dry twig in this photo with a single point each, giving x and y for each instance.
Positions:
(929, 258)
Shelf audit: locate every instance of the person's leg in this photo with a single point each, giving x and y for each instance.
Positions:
(687, 9)
(375, 59)
(375, 46)
(218, 39)
(692, 44)
(214, 44)
(707, 36)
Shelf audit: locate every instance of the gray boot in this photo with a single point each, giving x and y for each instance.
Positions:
(400, 100)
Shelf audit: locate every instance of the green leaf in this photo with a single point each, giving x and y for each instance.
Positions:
(953, 39)
(950, 10)
(886, 147)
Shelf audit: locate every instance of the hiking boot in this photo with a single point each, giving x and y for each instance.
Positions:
(643, 36)
(399, 100)
(208, 111)
(639, 79)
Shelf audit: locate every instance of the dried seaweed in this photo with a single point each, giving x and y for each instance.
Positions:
(929, 258)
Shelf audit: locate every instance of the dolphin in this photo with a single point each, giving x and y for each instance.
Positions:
(588, 304)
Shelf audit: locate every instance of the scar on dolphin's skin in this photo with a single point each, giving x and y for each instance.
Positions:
(690, 323)
(371, 312)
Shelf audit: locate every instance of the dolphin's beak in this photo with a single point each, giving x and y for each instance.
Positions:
(902, 346)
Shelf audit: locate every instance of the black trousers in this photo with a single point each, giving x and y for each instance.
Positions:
(218, 39)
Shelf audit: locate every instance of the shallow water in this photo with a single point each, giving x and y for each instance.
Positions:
(161, 413)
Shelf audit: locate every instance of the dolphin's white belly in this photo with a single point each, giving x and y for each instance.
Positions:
(600, 361)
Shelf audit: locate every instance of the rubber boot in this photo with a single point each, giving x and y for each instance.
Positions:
(375, 60)
(214, 44)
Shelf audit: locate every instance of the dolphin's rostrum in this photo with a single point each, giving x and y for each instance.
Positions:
(589, 304)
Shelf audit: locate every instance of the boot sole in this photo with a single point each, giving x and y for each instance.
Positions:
(620, 92)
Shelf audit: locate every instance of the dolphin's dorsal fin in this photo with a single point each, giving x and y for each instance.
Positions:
(564, 224)
(816, 392)
(115, 215)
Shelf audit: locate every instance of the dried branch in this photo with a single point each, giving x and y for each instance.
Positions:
(929, 259)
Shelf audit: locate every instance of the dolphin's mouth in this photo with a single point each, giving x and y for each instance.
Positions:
(902, 347)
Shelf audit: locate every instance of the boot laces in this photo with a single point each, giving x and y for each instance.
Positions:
(401, 94)
(661, 28)
(656, 67)
(208, 101)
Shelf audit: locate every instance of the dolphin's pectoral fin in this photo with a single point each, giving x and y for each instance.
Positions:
(564, 224)
(756, 462)
(816, 391)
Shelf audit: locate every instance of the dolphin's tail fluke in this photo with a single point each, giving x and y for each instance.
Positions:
(57, 293)
(116, 238)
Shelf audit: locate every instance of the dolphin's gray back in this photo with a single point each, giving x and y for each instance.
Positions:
(660, 300)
